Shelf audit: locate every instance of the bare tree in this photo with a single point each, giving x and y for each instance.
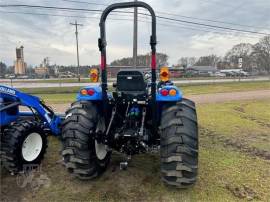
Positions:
(210, 60)
(261, 52)
(242, 50)
(187, 61)
(142, 60)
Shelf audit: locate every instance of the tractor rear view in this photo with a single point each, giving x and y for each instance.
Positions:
(139, 115)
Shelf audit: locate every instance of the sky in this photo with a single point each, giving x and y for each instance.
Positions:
(53, 36)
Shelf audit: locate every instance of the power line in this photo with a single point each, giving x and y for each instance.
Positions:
(183, 16)
(60, 15)
(122, 19)
(160, 17)
(51, 7)
(213, 26)
(209, 20)
(84, 2)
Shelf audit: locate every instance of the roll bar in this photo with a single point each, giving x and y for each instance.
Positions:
(102, 44)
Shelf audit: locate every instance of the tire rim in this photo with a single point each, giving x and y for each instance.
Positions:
(32, 146)
(101, 150)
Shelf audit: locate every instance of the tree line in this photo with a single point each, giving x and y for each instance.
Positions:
(255, 57)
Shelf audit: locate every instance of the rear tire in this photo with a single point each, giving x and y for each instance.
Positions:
(23, 145)
(179, 144)
(79, 150)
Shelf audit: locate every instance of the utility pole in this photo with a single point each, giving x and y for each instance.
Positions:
(77, 44)
(135, 37)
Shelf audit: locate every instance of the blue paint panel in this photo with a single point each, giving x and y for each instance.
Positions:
(168, 98)
(10, 95)
(7, 119)
(97, 95)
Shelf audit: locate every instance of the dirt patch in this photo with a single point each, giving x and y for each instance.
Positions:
(251, 118)
(14, 187)
(245, 148)
(233, 96)
(243, 192)
(237, 144)
(60, 108)
(239, 109)
(248, 117)
(9, 189)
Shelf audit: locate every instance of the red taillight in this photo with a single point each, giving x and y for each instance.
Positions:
(91, 92)
(164, 92)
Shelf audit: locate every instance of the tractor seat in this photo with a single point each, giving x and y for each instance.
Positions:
(131, 82)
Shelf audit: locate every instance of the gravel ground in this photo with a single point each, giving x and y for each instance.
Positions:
(204, 98)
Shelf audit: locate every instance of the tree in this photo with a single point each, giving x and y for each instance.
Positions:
(242, 50)
(142, 60)
(210, 60)
(261, 54)
(162, 59)
(3, 69)
(187, 61)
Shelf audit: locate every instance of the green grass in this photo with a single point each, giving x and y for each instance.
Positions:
(64, 80)
(51, 90)
(224, 87)
(226, 173)
(56, 94)
(245, 123)
(221, 169)
(58, 98)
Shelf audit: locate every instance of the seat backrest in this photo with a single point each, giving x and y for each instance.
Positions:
(131, 81)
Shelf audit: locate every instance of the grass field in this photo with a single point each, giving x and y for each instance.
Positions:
(68, 94)
(225, 87)
(234, 165)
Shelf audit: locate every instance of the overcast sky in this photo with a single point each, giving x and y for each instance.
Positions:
(53, 37)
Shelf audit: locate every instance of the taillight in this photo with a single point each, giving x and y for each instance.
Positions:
(172, 92)
(91, 92)
(164, 92)
(84, 92)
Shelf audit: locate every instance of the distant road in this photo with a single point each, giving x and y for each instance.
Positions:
(28, 84)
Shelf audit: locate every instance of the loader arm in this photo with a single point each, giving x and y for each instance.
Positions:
(11, 97)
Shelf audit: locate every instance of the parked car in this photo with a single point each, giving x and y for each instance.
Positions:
(218, 74)
(244, 74)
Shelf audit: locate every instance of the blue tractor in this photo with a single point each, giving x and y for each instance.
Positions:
(24, 133)
(138, 115)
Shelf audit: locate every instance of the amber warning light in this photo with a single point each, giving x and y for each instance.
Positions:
(164, 74)
(94, 75)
